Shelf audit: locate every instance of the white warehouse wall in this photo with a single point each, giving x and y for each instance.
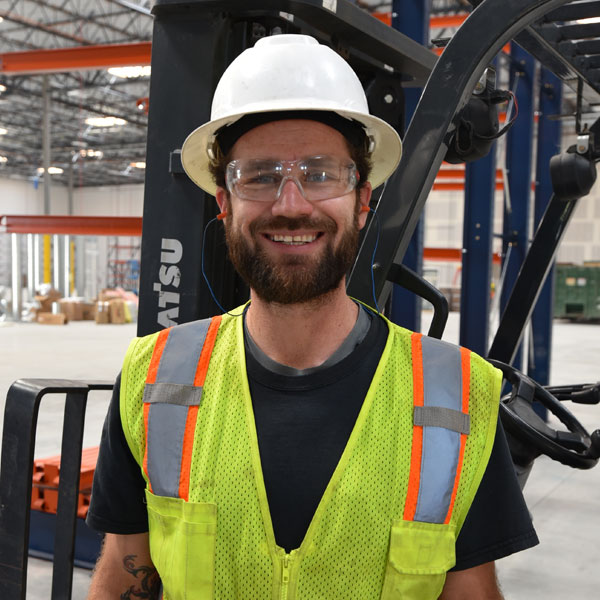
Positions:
(117, 200)
(19, 197)
(581, 242)
(92, 253)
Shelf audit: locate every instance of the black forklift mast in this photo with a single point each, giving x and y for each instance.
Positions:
(193, 42)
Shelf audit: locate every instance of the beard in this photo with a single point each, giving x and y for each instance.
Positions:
(289, 279)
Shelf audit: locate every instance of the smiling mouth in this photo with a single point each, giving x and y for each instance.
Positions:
(294, 240)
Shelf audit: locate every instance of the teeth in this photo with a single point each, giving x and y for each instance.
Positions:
(294, 240)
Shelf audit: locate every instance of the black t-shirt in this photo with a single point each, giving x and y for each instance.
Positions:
(303, 424)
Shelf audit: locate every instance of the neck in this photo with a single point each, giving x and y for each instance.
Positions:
(302, 335)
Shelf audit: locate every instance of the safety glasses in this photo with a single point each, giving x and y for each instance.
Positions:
(317, 177)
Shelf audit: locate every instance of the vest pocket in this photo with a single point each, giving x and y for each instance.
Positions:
(418, 558)
(182, 546)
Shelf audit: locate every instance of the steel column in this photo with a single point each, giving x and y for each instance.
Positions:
(548, 144)
(519, 150)
(66, 266)
(480, 185)
(46, 144)
(411, 17)
(17, 284)
(56, 282)
(37, 277)
(31, 284)
(70, 190)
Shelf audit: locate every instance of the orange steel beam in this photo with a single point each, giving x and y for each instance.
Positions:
(78, 58)
(449, 186)
(439, 22)
(384, 17)
(450, 254)
(458, 173)
(438, 51)
(125, 226)
(443, 21)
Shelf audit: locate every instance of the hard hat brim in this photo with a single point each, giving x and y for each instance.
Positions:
(385, 156)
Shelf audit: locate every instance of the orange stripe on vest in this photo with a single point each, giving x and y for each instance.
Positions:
(412, 494)
(156, 356)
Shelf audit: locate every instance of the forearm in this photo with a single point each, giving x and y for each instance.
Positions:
(478, 583)
(125, 570)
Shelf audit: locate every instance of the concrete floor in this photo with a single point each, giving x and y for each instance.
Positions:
(565, 503)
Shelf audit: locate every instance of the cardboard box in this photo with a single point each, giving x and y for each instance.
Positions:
(108, 294)
(48, 318)
(47, 299)
(88, 311)
(117, 311)
(71, 307)
(102, 313)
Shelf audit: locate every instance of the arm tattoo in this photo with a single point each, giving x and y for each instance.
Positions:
(149, 581)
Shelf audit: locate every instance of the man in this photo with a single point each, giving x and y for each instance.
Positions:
(301, 446)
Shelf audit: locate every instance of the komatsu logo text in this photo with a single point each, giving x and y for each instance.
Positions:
(170, 277)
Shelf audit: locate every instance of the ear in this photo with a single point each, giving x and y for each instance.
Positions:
(365, 197)
(222, 199)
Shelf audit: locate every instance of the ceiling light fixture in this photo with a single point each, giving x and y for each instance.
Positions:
(2, 88)
(130, 72)
(589, 21)
(3, 131)
(3, 159)
(90, 153)
(105, 121)
(51, 170)
(138, 165)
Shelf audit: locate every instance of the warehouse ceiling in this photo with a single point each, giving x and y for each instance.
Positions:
(88, 153)
(84, 150)
(92, 153)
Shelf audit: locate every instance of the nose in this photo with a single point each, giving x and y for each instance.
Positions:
(291, 201)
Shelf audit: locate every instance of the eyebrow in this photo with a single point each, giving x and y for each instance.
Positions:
(263, 162)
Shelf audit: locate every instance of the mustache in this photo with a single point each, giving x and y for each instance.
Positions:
(280, 222)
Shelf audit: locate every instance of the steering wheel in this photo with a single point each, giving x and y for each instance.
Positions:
(574, 447)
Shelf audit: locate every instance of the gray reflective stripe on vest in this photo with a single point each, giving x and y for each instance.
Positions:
(179, 359)
(172, 393)
(436, 416)
(166, 425)
(442, 387)
(170, 398)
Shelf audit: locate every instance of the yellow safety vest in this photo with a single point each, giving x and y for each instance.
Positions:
(387, 523)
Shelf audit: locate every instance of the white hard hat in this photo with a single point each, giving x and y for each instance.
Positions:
(289, 72)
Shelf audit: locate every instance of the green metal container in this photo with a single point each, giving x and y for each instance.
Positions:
(577, 292)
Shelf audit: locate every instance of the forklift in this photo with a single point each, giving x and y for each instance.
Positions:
(456, 120)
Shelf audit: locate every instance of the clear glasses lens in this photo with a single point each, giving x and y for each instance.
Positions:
(318, 177)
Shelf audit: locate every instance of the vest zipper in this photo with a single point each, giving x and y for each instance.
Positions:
(285, 576)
